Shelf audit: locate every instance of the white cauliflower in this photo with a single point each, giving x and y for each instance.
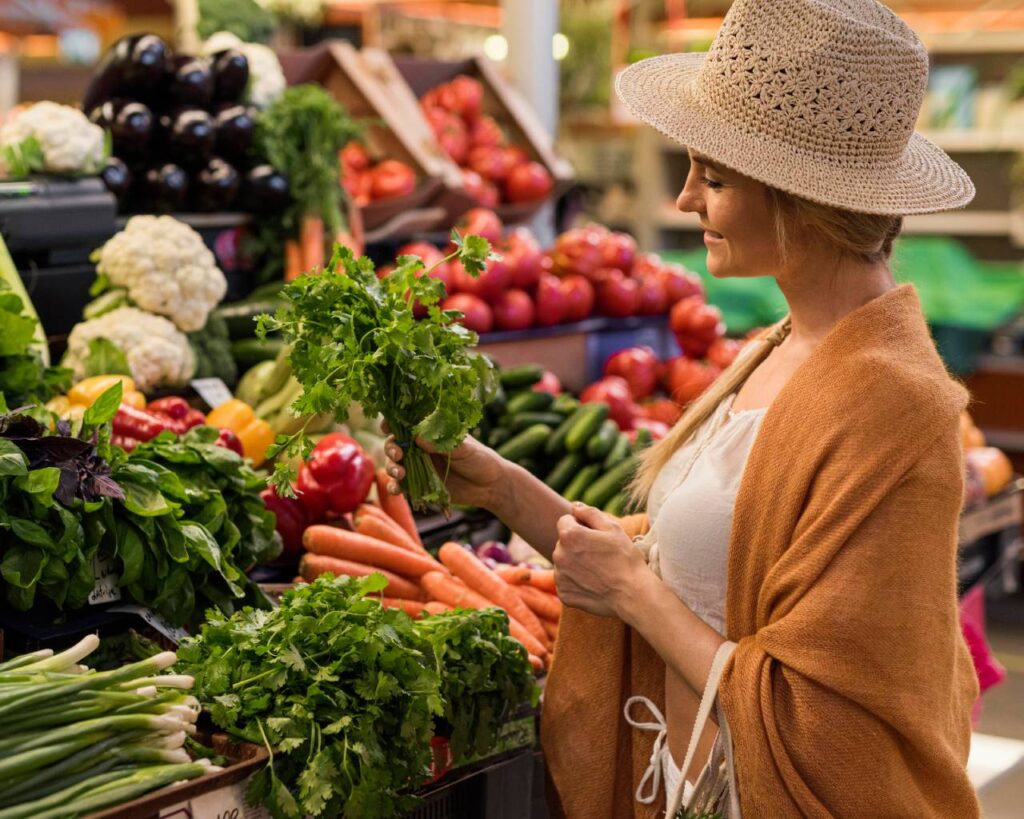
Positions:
(266, 77)
(68, 142)
(158, 353)
(165, 268)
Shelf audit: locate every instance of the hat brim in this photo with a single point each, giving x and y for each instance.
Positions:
(662, 92)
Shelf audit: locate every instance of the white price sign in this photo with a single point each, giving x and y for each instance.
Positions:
(155, 620)
(226, 803)
(105, 589)
(212, 390)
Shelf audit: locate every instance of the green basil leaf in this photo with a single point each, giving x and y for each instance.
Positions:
(131, 551)
(41, 483)
(105, 407)
(29, 532)
(22, 566)
(12, 459)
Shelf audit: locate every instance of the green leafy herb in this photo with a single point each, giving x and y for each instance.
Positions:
(246, 19)
(355, 339)
(25, 378)
(104, 408)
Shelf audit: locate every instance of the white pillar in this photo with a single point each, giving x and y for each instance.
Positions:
(529, 27)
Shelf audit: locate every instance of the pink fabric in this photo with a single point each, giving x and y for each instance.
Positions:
(972, 620)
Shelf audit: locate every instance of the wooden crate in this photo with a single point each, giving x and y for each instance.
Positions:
(501, 101)
(337, 66)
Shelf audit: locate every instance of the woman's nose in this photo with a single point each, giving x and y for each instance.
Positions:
(689, 200)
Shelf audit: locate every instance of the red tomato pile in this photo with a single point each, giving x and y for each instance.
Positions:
(367, 181)
(492, 170)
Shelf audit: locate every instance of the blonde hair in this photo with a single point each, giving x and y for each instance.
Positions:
(863, 236)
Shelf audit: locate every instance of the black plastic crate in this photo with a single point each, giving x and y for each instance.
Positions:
(495, 789)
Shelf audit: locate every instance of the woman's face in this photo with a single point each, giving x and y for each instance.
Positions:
(735, 212)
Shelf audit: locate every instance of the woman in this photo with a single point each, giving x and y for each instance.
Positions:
(803, 512)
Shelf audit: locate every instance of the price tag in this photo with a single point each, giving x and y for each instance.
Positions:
(155, 620)
(212, 390)
(179, 811)
(106, 589)
(226, 803)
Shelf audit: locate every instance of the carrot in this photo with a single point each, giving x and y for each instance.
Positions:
(414, 608)
(299, 579)
(344, 545)
(292, 260)
(514, 575)
(376, 523)
(436, 607)
(545, 606)
(536, 662)
(467, 566)
(312, 241)
(451, 591)
(397, 507)
(543, 579)
(313, 565)
(550, 628)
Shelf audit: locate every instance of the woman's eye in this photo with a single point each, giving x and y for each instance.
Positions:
(710, 183)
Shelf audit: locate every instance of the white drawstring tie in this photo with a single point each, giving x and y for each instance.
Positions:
(653, 772)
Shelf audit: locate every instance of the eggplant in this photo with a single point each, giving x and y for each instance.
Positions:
(105, 113)
(216, 186)
(236, 128)
(230, 75)
(191, 136)
(165, 189)
(190, 81)
(118, 179)
(265, 190)
(132, 129)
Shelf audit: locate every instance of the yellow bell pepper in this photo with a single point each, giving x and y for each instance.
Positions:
(59, 404)
(232, 414)
(254, 433)
(86, 392)
(134, 398)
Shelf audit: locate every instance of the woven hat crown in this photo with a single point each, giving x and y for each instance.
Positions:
(842, 79)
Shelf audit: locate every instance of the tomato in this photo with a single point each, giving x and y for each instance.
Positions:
(523, 254)
(354, 156)
(551, 301)
(484, 192)
(696, 326)
(579, 298)
(468, 96)
(614, 392)
(653, 298)
(617, 296)
(647, 263)
(486, 131)
(686, 379)
(658, 429)
(489, 162)
(481, 222)
(618, 250)
(549, 382)
(392, 178)
(662, 409)
(426, 251)
(363, 188)
(679, 283)
(476, 314)
(489, 285)
(639, 366)
(528, 183)
(446, 274)
(513, 310)
(577, 252)
(723, 352)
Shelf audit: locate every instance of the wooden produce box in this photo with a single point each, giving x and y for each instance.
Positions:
(203, 798)
(337, 66)
(501, 101)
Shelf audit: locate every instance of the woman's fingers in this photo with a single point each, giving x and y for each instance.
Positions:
(393, 488)
(392, 450)
(385, 427)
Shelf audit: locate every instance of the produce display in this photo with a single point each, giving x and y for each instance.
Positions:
(493, 171)
(368, 180)
(50, 138)
(358, 746)
(987, 469)
(77, 741)
(182, 133)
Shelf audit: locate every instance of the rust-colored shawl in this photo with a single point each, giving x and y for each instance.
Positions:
(849, 693)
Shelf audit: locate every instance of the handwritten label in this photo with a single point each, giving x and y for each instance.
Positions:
(179, 811)
(155, 620)
(105, 589)
(226, 803)
(212, 390)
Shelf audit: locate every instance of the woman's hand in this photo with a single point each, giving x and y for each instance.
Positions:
(472, 478)
(597, 567)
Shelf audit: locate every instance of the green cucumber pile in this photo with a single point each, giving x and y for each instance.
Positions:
(575, 448)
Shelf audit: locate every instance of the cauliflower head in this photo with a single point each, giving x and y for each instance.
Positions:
(158, 353)
(166, 269)
(68, 141)
(266, 77)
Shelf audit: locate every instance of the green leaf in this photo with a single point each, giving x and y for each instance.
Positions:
(101, 284)
(12, 460)
(131, 552)
(16, 332)
(105, 358)
(105, 407)
(41, 483)
(22, 566)
(28, 531)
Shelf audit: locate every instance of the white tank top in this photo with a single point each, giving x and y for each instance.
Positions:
(691, 508)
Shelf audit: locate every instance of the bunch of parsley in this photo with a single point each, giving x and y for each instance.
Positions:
(354, 338)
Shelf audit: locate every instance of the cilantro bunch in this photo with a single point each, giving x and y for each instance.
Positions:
(355, 339)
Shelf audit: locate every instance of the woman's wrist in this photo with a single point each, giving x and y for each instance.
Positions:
(633, 598)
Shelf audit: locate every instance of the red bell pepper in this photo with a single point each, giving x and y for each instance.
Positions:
(344, 471)
(291, 520)
(126, 443)
(229, 440)
(313, 496)
(193, 418)
(142, 425)
(172, 406)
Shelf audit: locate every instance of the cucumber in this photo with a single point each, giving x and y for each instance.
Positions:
(601, 444)
(496, 407)
(529, 402)
(565, 404)
(250, 386)
(521, 377)
(643, 440)
(618, 505)
(526, 444)
(589, 418)
(620, 451)
(565, 470)
(581, 484)
(248, 352)
(498, 436)
(240, 316)
(609, 484)
(517, 423)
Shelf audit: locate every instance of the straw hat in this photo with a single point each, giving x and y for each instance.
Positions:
(816, 97)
